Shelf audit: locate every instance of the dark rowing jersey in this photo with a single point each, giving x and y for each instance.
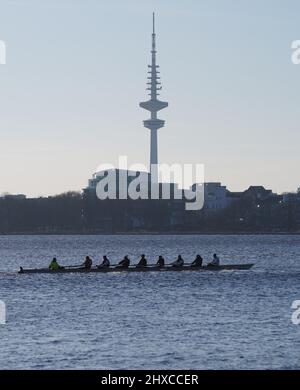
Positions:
(142, 262)
(88, 263)
(105, 263)
(124, 263)
(160, 262)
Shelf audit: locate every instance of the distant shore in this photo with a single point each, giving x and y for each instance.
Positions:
(154, 233)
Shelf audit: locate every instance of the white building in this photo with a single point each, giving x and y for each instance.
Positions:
(215, 196)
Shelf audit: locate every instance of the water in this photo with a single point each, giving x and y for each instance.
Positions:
(226, 320)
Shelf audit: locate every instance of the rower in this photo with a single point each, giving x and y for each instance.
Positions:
(215, 262)
(105, 263)
(160, 262)
(54, 265)
(142, 263)
(179, 262)
(125, 263)
(197, 262)
(87, 263)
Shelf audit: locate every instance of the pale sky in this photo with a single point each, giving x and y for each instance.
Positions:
(76, 72)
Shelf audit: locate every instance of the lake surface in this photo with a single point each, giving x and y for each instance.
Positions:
(226, 320)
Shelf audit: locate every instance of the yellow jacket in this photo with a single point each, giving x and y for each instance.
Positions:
(54, 265)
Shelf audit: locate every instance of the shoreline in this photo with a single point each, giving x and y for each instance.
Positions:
(155, 233)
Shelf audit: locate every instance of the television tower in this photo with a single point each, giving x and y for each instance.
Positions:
(153, 105)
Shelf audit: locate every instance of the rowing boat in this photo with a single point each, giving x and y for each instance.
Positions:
(225, 267)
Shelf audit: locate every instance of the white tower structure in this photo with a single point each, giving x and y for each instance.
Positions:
(153, 105)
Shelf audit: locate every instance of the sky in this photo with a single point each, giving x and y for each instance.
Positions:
(75, 73)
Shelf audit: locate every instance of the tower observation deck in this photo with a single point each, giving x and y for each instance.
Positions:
(154, 104)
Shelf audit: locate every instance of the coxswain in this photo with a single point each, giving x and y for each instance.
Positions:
(54, 265)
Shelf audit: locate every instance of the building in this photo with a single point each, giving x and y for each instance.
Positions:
(257, 193)
(291, 202)
(254, 194)
(122, 212)
(153, 105)
(215, 196)
(120, 181)
(14, 197)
